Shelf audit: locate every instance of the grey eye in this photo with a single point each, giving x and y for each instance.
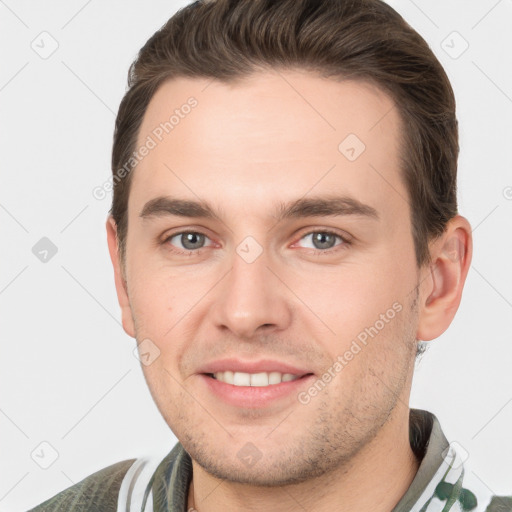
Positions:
(189, 240)
(322, 239)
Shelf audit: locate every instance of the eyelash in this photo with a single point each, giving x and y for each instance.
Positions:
(344, 245)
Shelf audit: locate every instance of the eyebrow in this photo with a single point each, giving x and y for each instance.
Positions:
(321, 206)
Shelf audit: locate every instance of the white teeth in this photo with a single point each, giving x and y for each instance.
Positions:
(274, 378)
(261, 379)
(241, 379)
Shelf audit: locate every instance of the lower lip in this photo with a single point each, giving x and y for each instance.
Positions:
(254, 396)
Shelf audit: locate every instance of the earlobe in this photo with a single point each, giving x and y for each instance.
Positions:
(445, 278)
(119, 278)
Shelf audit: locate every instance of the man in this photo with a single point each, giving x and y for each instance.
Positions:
(284, 232)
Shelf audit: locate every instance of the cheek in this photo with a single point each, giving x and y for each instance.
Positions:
(155, 304)
(167, 309)
(168, 395)
(349, 298)
(366, 308)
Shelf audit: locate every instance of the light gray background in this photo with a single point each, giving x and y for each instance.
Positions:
(68, 374)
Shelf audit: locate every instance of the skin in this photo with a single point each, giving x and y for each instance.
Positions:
(246, 147)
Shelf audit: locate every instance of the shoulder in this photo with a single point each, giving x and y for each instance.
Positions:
(96, 493)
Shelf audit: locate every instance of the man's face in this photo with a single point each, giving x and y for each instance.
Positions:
(251, 290)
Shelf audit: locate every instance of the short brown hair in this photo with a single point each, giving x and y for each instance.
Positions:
(342, 39)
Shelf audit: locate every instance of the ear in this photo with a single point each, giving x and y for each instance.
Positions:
(443, 279)
(121, 286)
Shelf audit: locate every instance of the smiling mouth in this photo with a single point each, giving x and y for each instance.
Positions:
(260, 379)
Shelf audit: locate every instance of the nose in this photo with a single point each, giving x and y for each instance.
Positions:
(250, 298)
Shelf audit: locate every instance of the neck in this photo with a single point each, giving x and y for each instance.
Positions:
(375, 480)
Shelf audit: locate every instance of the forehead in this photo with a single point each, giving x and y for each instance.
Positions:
(272, 136)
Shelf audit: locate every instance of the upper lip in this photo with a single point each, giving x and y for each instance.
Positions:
(262, 365)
